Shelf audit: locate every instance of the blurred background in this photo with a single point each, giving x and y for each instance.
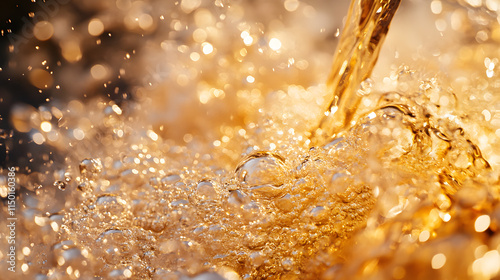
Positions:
(55, 51)
(197, 66)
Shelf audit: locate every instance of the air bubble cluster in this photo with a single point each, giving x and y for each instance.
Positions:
(164, 186)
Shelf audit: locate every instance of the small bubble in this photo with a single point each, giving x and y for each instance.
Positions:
(318, 213)
(60, 185)
(255, 241)
(287, 264)
(170, 179)
(90, 168)
(206, 190)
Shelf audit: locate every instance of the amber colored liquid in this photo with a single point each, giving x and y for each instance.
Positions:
(397, 193)
(357, 52)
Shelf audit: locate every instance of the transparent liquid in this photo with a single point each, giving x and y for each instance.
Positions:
(362, 38)
(404, 192)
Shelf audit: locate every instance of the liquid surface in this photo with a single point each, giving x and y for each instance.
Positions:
(224, 184)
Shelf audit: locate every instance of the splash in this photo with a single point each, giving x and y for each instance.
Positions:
(160, 188)
(362, 39)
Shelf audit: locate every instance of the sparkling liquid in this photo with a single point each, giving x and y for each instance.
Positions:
(394, 189)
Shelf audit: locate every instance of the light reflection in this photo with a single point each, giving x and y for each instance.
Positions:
(260, 117)
(275, 44)
(43, 30)
(438, 261)
(482, 223)
(96, 27)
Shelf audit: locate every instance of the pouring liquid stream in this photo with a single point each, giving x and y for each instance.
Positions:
(357, 52)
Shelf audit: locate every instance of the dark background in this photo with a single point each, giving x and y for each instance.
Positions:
(14, 88)
(17, 148)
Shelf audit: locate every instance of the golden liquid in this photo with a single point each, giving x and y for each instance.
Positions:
(364, 33)
(402, 193)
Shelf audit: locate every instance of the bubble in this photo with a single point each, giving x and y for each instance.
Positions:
(169, 246)
(84, 187)
(285, 203)
(236, 199)
(205, 190)
(252, 210)
(60, 185)
(170, 179)
(340, 181)
(165, 203)
(110, 204)
(335, 145)
(113, 245)
(254, 241)
(90, 167)
(78, 134)
(257, 259)
(67, 254)
(262, 173)
(319, 213)
(120, 274)
(180, 202)
(287, 264)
